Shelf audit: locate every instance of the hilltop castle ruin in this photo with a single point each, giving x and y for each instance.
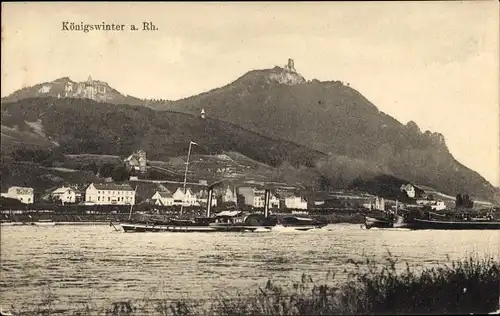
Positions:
(290, 67)
(90, 89)
(288, 75)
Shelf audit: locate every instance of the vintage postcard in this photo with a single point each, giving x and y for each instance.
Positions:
(250, 158)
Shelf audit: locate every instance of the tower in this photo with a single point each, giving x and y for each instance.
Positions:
(203, 113)
(142, 161)
(291, 65)
(89, 88)
(68, 89)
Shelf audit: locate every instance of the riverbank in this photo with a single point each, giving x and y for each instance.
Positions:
(54, 223)
(462, 287)
(347, 217)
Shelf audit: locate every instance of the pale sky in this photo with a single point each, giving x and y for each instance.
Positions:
(436, 63)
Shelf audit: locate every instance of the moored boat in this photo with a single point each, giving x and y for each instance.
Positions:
(452, 220)
(295, 223)
(166, 227)
(470, 224)
(81, 223)
(400, 222)
(388, 219)
(373, 222)
(225, 221)
(44, 222)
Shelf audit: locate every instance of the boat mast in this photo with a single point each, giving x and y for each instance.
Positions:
(185, 175)
(236, 197)
(209, 206)
(132, 205)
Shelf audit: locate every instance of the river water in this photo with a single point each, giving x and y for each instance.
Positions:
(81, 262)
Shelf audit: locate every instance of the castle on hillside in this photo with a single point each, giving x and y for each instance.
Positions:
(288, 74)
(290, 67)
(137, 161)
(90, 89)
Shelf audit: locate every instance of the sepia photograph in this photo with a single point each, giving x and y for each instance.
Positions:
(250, 158)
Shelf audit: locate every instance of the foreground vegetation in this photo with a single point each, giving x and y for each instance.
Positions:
(462, 287)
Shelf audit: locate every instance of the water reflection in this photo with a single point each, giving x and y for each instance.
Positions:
(94, 261)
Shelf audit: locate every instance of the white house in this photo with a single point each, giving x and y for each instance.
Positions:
(424, 202)
(23, 194)
(110, 194)
(379, 204)
(163, 198)
(137, 161)
(259, 199)
(202, 198)
(188, 199)
(435, 205)
(295, 202)
(409, 189)
(438, 205)
(229, 196)
(66, 194)
(274, 201)
(255, 197)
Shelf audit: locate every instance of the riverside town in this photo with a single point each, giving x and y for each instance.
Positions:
(217, 166)
(197, 190)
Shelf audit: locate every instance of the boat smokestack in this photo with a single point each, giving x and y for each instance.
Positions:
(266, 203)
(209, 204)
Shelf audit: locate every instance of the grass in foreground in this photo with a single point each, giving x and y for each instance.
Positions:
(466, 286)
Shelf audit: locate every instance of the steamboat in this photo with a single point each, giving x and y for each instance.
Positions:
(225, 221)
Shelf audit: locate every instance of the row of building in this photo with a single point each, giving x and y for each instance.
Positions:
(124, 194)
(245, 195)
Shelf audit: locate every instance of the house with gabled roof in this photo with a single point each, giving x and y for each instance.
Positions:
(23, 194)
(165, 198)
(137, 161)
(110, 194)
(408, 189)
(66, 194)
(186, 199)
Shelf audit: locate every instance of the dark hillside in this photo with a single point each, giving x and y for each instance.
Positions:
(84, 126)
(334, 118)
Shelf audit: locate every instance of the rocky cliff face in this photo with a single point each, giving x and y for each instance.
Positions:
(66, 88)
